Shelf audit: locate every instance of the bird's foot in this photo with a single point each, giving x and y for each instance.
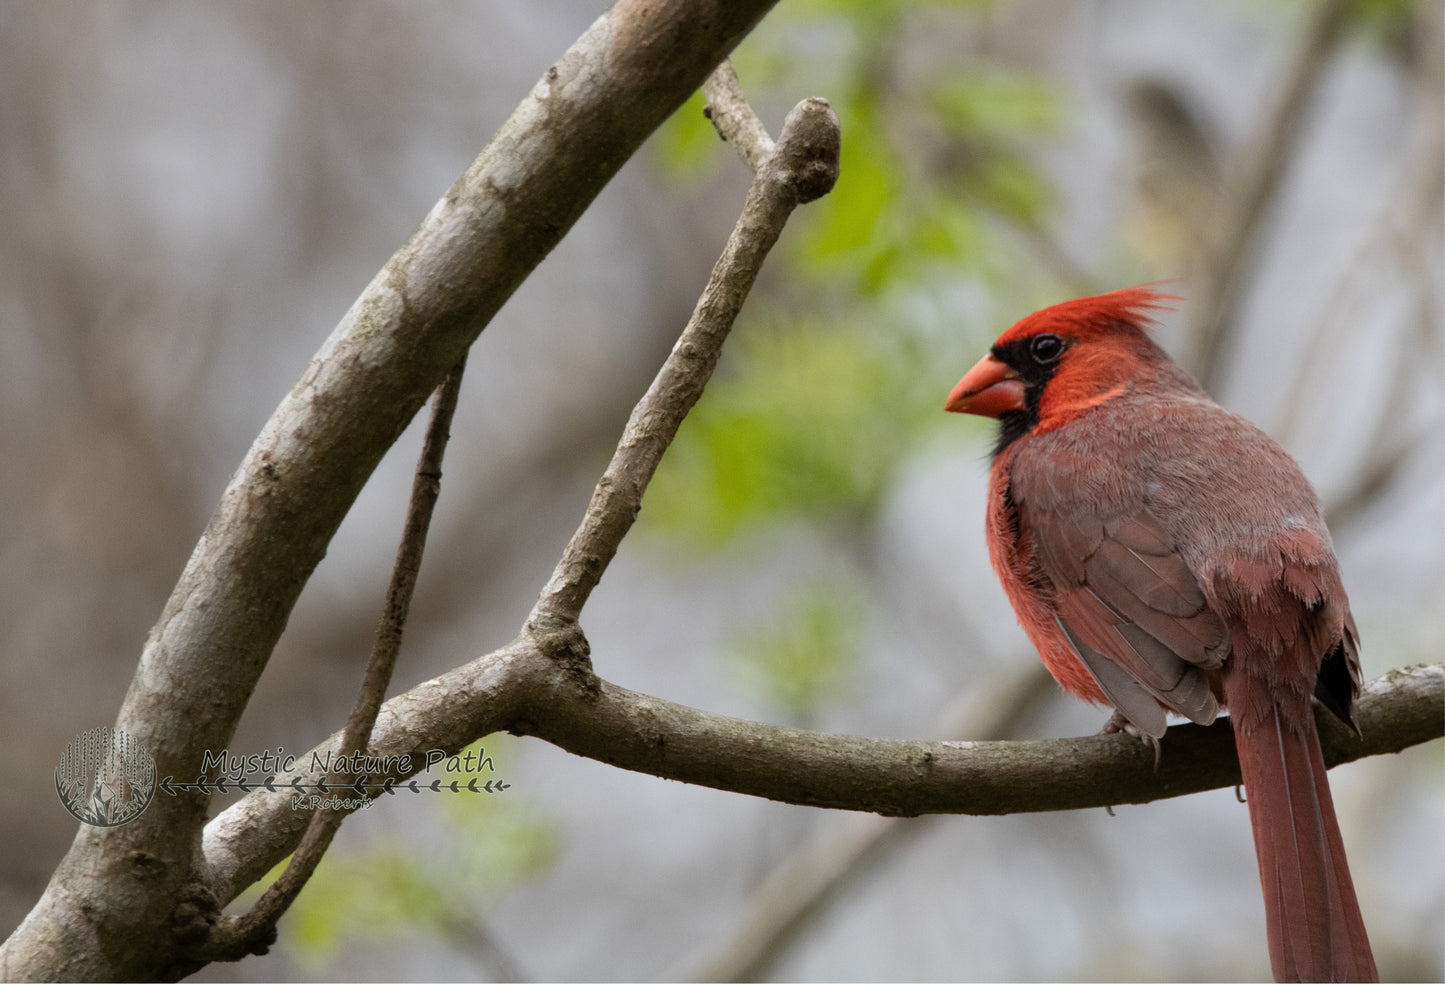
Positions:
(1119, 723)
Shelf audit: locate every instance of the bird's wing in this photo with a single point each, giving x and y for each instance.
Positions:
(1132, 610)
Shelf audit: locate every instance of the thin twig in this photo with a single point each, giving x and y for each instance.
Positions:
(254, 931)
(733, 117)
(802, 167)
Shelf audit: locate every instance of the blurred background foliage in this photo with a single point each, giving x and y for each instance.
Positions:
(832, 379)
(934, 154)
(482, 843)
(802, 654)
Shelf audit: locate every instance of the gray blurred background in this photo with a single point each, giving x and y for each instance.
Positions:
(191, 196)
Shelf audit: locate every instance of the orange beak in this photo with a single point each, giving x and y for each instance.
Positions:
(989, 389)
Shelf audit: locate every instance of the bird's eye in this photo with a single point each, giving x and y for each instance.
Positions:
(1045, 349)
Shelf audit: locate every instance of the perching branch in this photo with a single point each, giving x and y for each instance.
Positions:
(532, 687)
(911, 778)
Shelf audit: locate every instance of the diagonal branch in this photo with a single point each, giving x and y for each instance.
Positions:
(803, 167)
(733, 117)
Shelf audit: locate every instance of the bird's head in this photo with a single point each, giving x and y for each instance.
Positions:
(1058, 362)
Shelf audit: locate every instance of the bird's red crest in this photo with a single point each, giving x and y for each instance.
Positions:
(1090, 317)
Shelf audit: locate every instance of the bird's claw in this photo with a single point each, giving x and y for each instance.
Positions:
(1119, 723)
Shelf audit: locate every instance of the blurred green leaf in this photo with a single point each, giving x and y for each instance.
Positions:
(494, 841)
(849, 222)
(1013, 191)
(1387, 20)
(994, 103)
(687, 144)
(927, 154)
(803, 654)
(807, 420)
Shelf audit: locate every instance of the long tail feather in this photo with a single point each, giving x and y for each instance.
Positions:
(1315, 929)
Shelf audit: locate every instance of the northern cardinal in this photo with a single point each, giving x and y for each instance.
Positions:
(1165, 556)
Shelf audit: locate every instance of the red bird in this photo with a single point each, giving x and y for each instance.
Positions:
(1165, 556)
